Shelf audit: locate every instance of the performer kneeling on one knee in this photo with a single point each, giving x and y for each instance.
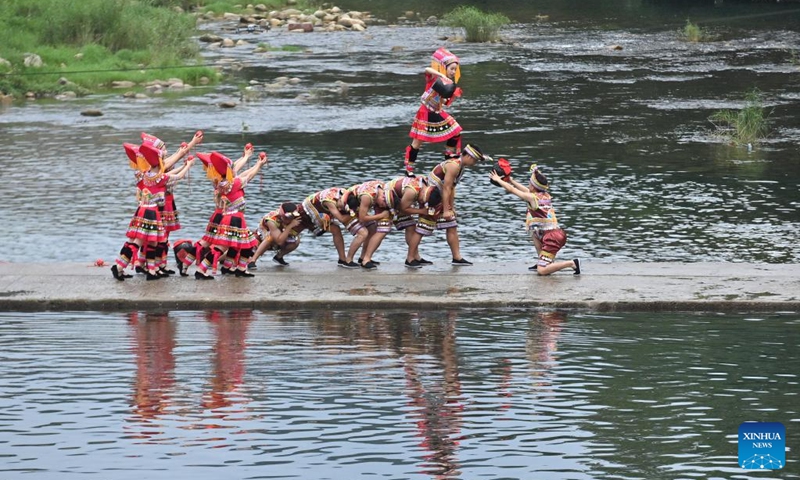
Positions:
(541, 221)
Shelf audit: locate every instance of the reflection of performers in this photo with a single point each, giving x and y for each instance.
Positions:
(542, 343)
(229, 358)
(153, 343)
(438, 406)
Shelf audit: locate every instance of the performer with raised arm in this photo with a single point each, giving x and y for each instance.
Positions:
(542, 225)
(232, 232)
(146, 229)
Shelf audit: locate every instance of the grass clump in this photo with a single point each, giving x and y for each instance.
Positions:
(478, 25)
(746, 126)
(694, 33)
(266, 47)
(93, 42)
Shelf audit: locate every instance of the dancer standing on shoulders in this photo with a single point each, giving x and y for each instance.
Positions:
(541, 221)
(432, 123)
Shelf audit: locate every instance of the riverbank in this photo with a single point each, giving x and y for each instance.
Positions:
(603, 287)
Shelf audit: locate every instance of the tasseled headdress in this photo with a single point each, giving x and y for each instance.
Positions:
(441, 59)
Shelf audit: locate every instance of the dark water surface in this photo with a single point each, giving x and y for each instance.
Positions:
(638, 172)
(342, 395)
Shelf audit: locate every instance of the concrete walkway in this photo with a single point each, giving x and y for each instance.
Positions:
(710, 287)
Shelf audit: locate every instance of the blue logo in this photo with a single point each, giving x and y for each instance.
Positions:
(762, 445)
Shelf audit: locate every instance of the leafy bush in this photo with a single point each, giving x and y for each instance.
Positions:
(479, 26)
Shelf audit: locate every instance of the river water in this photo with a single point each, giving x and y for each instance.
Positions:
(341, 395)
(606, 98)
(638, 175)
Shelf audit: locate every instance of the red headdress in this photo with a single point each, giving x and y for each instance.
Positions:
(205, 158)
(441, 59)
(153, 157)
(153, 141)
(220, 168)
(132, 151)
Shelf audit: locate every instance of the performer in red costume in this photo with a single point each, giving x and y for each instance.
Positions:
(146, 227)
(232, 232)
(168, 209)
(201, 247)
(432, 123)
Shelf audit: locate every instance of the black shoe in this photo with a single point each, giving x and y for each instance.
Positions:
(361, 260)
(117, 274)
(125, 275)
(369, 265)
(413, 264)
(200, 276)
(140, 270)
(577, 263)
(183, 270)
(252, 266)
(346, 264)
(280, 261)
(151, 276)
(243, 273)
(422, 261)
(461, 262)
(225, 271)
(168, 271)
(162, 273)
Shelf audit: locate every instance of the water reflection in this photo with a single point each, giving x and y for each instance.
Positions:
(637, 169)
(426, 395)
(225, 386)
(153, 336)
(434, 390)
(541, 346)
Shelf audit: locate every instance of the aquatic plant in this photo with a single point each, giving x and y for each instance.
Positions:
(266, 47)
(793, 57)
(478, 25)
(745, 126)
(694, 33)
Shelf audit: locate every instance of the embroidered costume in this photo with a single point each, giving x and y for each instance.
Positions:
(541, 221)
(432, 123)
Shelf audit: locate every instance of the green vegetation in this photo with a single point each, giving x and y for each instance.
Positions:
(694, 33)
(479, 26)
(219, 7)
(793, 58)
(266, 47)
(94, 42)
(746, 126)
